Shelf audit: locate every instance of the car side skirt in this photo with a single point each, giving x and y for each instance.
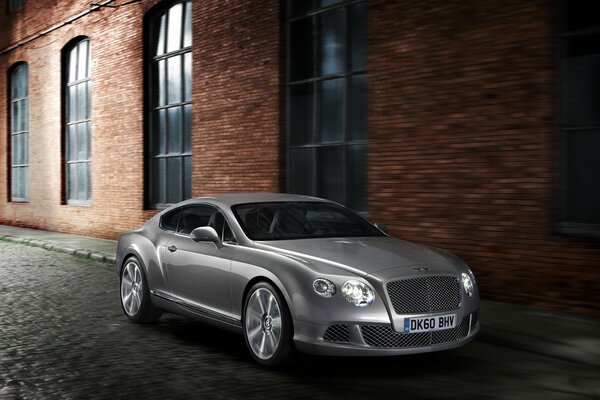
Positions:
(179, 306)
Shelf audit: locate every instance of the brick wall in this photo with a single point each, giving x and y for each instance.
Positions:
(463, 145)
(236, 121)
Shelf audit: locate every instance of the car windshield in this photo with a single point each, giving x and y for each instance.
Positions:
(300, 220)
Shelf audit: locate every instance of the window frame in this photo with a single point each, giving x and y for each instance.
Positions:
(152, 25)
(564, 128)
(68, 122)
(315, 145)
(12, 150)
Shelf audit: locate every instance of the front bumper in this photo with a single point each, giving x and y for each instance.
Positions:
(379, 339)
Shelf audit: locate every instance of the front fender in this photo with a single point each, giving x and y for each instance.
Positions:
(294, 279)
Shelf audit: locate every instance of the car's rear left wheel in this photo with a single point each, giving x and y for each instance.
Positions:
(268, 326)
(135, 294)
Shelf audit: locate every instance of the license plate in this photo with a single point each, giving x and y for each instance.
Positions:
(429, 324)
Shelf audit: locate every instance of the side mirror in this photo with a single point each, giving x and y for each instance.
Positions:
(206, 234)
(381, 227)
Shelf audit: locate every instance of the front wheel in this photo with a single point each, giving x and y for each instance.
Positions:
(268, 326)
(135, 294)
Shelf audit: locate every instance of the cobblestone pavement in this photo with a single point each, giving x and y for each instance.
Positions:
(63, 336)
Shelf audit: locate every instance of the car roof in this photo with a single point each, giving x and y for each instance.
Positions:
(231, 199)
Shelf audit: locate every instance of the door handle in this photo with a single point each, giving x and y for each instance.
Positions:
(172, 248)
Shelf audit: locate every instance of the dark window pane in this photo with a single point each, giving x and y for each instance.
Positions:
(161, 96)
(175, 30)
(187, 128)
(16, 116)
(301, 114)
(330, 173)
(88, 101)
(19, 82)
(72, 104)
(299, 7)
(582, 14)
(25, 149)
(356, 158)
(158, 175)
(82, 142)
(72, 75)
(301, 171)
(187, 177)
(88, 181)
(332, 110)
(161, 33)
(332, 33)
(174, 128)
(158, 132)
(301, 49)
(16, 183)
(582, 83)
(358, 108)
(174, 181)
(187, 77)
(82, 171)
(359, 36)
(82, 67)
(325, 3)
(71, 142)
(25, 114)
(174, 80)
(194, 217)
(187, 29)
(71, 181)
(25, 182)
(82, 101)
(583, 176)
(16, 150)
(169, 220)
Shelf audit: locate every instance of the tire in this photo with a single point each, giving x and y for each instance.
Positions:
(268, 328)
(135, 293)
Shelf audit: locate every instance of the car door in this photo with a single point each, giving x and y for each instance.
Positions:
(199, 272)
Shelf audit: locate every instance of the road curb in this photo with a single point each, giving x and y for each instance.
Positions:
(60, 248)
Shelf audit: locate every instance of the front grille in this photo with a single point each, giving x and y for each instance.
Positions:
(385, 336)
(337, 333)
(423, 295)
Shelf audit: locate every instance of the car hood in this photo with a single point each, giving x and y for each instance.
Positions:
(364, 256)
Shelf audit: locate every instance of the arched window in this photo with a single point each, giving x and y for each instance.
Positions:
(19, 113)
(78, 125)
(169, 108)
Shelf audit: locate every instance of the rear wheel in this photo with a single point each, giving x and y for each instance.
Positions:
(268, 326)
(135, 294)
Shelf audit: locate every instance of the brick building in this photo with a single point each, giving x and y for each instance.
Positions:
(468, 125)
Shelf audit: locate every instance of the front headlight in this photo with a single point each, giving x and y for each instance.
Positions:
(467, 283)
(358, 293)
(324, 287)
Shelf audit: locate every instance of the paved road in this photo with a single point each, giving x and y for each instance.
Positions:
(63, 336)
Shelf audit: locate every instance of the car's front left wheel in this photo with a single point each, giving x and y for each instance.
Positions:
(135, 294)
(268, 326)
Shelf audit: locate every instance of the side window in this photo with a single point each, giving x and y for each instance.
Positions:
(194, 217)
(218, 222)
(169, 221)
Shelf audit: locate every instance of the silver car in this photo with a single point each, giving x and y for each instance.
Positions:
(295, 272)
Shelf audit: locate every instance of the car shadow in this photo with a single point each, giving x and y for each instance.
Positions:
(230, 344)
